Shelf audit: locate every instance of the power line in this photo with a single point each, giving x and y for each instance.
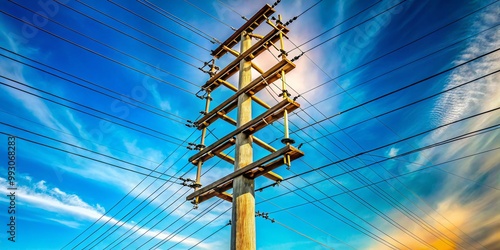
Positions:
(96, 53)
(358, 226)
(301, 234)
(126, 195)
(140, 31)
(178, 21)
(386, 179)
(302, 13)
(309, 223)
(202, 227)
(190, 222)
(366, 20)
(85, 149)
(131, 210)
(390, 71)
(88, 113)
(152, 218)
(210, 235)
(89, 158)
(123, 98)
(385, 196)
(232, 9)
(404, 46)
(159, 26)
(211, 16)
(113, 48)
(392, 143)
(408, 212)
(66, 133)
(399, 89)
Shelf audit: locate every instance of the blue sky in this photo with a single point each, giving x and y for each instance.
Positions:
(100, 92)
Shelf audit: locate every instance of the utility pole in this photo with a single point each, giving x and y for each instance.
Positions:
(241, 179)
(243, 217)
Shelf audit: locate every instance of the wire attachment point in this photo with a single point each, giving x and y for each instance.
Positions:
(276, 3)
(297, 57)
(195, 204)
(291, 21)
(264, 215)
(284, 93)
(190, 124)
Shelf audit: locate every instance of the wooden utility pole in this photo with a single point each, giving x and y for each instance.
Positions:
(241, 180)
(243, 218)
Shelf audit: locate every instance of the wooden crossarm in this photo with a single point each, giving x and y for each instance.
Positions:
(252, 23)
(255, 86)
(249, 54)
(266, 118)
(253, 170)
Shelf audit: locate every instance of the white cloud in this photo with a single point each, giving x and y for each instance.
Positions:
(458, 203)
(393, 152)
(59, 203)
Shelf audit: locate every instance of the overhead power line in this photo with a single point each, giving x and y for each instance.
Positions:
(400, 89)
(90, 108)
(398, 141)
(123, 98)
(99, 54)
(179, 21)
(90, 158)
(434, 31)
(140, 31)
(387, 179)
(126, 195)
(115, 49)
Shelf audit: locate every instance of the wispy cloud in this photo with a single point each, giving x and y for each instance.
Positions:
(57, 203)
(467, 209)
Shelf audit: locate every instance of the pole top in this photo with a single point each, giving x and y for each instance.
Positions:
(252, 23)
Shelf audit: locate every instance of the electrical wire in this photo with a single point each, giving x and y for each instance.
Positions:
(393, 143)
(232, 9)
(98, 54)
(399, 89)
(302, 234)
(178, 21)
(202, 227)
(78, 137)
(140, 31)
(308, 223)
(351, 28)
(126, 195)
(89, 158)
(88, 113)
(434, 31)
(210, 235)
(113, 48)
(211, 16)
(123, 98)
(86, 149)
(430, 167)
